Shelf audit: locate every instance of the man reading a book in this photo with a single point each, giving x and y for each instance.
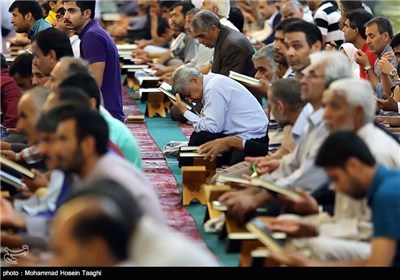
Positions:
(354, 171)
(228, 108)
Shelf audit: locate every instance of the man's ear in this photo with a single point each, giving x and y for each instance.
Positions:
(52, 54)
(317, 46)
(280, 106)
(28, 17)
(193, 79)
(88, 145)
(353, 165)
(87, 13)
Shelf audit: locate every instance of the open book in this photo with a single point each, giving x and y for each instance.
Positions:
(243, 78)
(11, 180)
(258, 182)
(263, 234)
(167, 90)
(188, 148)
(148, 81)
(17, 167)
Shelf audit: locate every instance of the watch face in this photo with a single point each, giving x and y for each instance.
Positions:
(393, 73)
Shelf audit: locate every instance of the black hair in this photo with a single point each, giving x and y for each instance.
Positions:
(167, 4)
(86, 5)
(86, 83)
(4, 64)
(358, 18)
(351, 5)
(340, 146)
(56, 40)
(115, 224)
(186, 6)
(285, 22)
(395, 41)
(22, 65)
(311, 31)
(88, 123)
(25, 7)
(384, 25)
(237, 18)
(289, 92)
(74, 94)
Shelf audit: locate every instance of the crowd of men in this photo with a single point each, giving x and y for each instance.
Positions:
(323, 120)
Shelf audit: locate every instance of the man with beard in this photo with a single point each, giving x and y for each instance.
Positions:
(99, 49)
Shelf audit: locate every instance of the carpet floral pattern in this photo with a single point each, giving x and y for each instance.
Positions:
(160, 176)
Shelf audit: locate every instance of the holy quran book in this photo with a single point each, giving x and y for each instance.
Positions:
(243, 78)
(167, 90)
(17, 167)
(261, 183)
(11, 180)
(135, 119)
(126, 47)
(148, 82)
(188, 148)
(266, 237)
(219, 206)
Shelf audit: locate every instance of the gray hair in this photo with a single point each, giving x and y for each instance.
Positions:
(293, 4)
(38, 96)
(193, 11)
(204, 21)
(180, 79)
(74, 66)
(267, 52)
(338, 65)
(357, 93)
(223, 7)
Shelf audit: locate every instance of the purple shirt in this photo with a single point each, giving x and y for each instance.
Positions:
(98, 46)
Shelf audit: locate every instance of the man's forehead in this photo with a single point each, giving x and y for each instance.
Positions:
(295, 36)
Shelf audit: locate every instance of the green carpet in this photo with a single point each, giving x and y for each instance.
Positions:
(164, 130)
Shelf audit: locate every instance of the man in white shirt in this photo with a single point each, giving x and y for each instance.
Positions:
(228, 107)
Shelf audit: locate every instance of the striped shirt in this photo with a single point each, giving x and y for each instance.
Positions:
(327, 19)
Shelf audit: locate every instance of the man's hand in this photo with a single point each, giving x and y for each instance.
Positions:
(264, 164)
(212, 148)
(289, 257)
(179, 104)
(293, 228)
(261, 89)
(361, 58)
(388, 104)
(160, 69)
(391, 120)
(39, 181)
(11, 155)
(7, 213)
(385, 66)
(306, 205)
(5, 145)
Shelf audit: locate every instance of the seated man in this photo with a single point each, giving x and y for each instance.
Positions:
(285, 105)
(228, 108)
(355, 172)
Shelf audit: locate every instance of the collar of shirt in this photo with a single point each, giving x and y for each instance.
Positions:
(316, 117)
(270, 21)
(388, 48)
(301, 121)
(376, 182)
(86, 28)
(288, 74)
(34, 27)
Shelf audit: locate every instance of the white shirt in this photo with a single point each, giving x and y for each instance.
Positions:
(229, 108)
(75, 44)
(298, 169)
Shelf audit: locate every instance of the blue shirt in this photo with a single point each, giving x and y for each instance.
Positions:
(229, 108)
(384, 199)
(98, 46)
(38, 26)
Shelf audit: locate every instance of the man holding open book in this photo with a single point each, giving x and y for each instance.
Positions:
(228, 108)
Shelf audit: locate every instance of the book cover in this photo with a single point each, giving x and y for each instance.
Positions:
(263, 234)
(243, 78)
(11, 180)
(256, 181)
(188, 148)
(167, 90)
(17, 167)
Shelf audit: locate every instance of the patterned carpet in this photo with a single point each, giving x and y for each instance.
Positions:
(161, 177)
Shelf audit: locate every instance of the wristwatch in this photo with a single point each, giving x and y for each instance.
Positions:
(367, 68)
(393, 73)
